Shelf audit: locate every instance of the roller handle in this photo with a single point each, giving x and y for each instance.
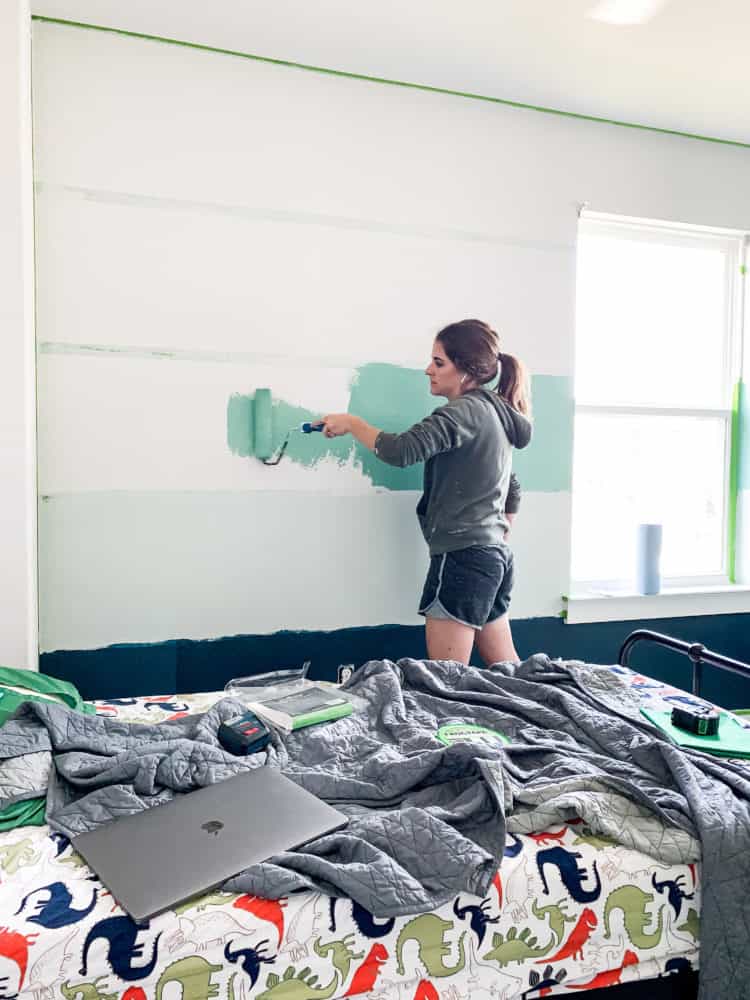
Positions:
(308, 428)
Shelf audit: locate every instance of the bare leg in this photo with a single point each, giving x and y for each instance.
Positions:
(449, 640)
(495, 642)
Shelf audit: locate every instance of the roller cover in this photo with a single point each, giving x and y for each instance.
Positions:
(262, 430)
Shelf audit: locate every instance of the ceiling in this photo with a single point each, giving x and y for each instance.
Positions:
(687, 68)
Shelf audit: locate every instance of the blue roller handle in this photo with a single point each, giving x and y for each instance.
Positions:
(308, 428)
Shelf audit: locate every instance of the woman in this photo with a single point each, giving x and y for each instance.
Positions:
(467, 447)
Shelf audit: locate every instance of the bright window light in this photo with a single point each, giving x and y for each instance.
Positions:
(655, 366)
(625, 11)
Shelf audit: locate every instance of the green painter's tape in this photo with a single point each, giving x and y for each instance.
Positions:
(393, 398)
(734, 459)
(743, 440)
(262, 424)
(380, 79)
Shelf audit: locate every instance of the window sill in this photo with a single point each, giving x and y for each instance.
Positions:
(677, 602)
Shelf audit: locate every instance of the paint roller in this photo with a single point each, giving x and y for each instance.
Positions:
(263, 429)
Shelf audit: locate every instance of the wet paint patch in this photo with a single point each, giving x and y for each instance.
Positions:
(547, 464)
(393, 398)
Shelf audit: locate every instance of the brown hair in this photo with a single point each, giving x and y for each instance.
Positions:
(473, 347)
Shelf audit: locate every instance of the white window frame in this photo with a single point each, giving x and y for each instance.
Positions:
(734, 243)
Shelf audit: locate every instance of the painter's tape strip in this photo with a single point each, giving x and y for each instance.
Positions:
(266, 213)
(427, 88)
(735, 445)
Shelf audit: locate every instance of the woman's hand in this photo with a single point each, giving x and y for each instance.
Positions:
(337, 424)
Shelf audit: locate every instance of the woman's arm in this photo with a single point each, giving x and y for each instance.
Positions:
(446, 428)
(338, 424)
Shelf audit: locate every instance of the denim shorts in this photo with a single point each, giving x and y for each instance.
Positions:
(471, 586)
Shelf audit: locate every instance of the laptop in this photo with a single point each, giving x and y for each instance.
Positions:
(160, 857)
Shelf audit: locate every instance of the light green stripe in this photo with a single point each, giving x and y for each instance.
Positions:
(735, 444)
(384, 80)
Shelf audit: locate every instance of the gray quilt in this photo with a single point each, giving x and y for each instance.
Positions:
(429, 820)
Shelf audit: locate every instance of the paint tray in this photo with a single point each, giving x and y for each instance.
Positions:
(278, 684)
(732, 739)
(273, 684)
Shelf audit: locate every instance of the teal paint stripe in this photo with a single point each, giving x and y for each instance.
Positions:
(384, 80)
(546, 466)
(240, 411)
(393, 398)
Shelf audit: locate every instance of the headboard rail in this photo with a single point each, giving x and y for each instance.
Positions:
(696, 651)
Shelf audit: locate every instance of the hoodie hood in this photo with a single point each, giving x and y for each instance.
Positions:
(515, 424)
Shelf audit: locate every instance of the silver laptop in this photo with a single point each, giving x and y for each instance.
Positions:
(155, 859)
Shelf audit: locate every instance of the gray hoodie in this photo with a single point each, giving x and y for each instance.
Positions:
(467, 447)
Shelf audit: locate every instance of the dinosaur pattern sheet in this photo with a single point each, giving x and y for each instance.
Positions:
(568, 911)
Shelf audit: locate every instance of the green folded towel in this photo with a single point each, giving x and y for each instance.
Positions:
(732, 739)
(16, 687)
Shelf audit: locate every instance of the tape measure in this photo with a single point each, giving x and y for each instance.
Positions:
(701, 721)
(244, 734)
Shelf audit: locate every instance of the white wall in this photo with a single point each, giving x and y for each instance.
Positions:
(207, 225)
(18, 608)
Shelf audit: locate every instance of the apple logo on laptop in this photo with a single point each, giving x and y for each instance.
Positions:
(213, 826)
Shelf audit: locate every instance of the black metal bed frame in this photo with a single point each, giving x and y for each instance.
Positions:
(696, 651)
(684, 987)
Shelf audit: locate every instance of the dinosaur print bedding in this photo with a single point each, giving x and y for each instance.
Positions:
(569, 910)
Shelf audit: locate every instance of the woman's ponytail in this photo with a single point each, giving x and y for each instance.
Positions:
(513, 385)
(472, 346)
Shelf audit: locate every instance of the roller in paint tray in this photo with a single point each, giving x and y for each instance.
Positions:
(263, 429)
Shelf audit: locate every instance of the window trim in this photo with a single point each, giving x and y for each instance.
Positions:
(674, 602)
(662, 226)
(655, 411)
(734, 243)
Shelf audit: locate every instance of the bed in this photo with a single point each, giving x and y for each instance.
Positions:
(569, 912)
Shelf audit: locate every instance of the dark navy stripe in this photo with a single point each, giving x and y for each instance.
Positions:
(187, 665)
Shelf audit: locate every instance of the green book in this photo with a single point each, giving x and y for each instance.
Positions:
(732, 739)
(303, 708)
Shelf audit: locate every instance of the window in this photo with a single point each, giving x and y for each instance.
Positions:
(657, 361)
